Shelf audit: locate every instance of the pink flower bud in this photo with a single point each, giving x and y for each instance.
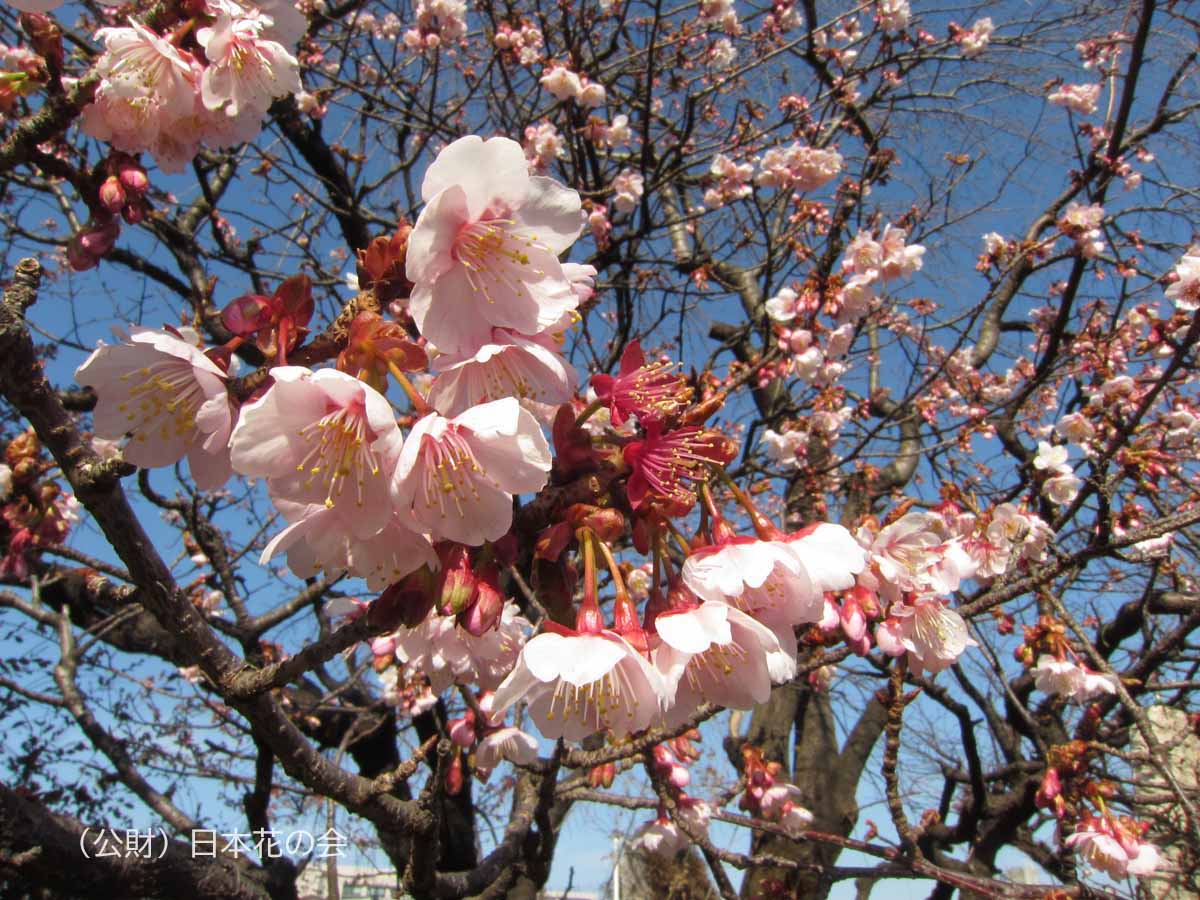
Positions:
(112, 195)
(1049, 789)
(462, 731)
(679, 777)
(78, 258)
(485, 612)
(98, 239)
(133, 212)
(459, 583)
(134, 179)
(383, 646)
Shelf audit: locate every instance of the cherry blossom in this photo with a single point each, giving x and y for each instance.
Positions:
(511, 744)
(641, 389)
(798, 167)
(446, 653)
(829, 554)
(543, 145)
(732, 181)
(1112, 849)
(1082, 225)
(148, 89)
(664, 459)
(974, 40)
(661, 838)
(933, 635)
(509, 365)
(1071, 680)
(316, 539)
(784, 448)
(168, 397)
(763, 578)
(628, 187)
(1080, 98)
(484, 252)
(322, 438)
(246, 69)
(782, 306)
(579, 683)
(1184, 291)
(893, 15)
(714, 653)
(562, 82)
(457, 476)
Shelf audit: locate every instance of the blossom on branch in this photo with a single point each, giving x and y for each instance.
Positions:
(168, 397)
(484, 252)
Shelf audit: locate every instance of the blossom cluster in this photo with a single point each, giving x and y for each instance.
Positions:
(157, 95)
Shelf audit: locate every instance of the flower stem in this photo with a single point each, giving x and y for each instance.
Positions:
(419, 403)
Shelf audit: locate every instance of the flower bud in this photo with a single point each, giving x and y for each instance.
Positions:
(459, 583)
(98, 238)
(112, 195)
(133, 212)
(462, 731)
(485, 612)
(133, 178)
(602, 775)
(1049, 789)
(407, 602)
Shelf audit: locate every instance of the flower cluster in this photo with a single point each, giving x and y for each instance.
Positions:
(1079, 98)
(34, 510)
(1082, 225)
(438, 22)
(567, 85)
(798, 168)
(157, 95)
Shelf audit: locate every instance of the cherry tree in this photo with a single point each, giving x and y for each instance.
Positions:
(775, 421)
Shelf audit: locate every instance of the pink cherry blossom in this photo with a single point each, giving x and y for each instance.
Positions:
(1112, 849)
(1184, 291)
(457, 477)
(763, 578)
(732, 181)
(246, 69)
(484, 252)
(325, 439)
(782, 307)
(562, 83)
(829, 554)
(661, 838)
(893, 15)
(973, 41)
(933, 635)
(168, 397)
(149, 89)
(628, 187)
(1071, 680)
(511, 744)
(781, 803)
(446, 653)
(1080, 98)
(510, 365)
(543, 145)
(316, 539)
(577, 684)
(714, 653)
(651, 390)
(904, 550)
(798, 167)
(786, 448)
